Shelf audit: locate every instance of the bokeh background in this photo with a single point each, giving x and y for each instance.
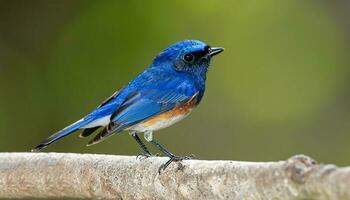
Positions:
(281, 87)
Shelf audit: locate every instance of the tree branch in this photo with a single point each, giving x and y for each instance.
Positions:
(43, 175)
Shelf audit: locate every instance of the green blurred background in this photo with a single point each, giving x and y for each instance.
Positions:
(279, 89)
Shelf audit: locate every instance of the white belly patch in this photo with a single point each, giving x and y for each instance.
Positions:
(159, 124)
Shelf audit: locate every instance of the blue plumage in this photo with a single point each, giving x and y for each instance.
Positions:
(156, 98)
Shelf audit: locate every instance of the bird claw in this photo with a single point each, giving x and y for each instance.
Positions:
(143, 156)
(174, 159)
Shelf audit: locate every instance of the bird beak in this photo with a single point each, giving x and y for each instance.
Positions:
(215, 50)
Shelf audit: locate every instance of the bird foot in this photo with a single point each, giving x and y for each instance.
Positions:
(174, 159)
(145, 155)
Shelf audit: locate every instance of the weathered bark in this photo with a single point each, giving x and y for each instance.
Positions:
(43, 175)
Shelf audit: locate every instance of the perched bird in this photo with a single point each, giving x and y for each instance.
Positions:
(163, 94)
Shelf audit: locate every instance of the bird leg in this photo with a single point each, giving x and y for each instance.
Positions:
(146, 153)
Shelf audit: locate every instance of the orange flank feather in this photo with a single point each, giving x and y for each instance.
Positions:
(178, 110)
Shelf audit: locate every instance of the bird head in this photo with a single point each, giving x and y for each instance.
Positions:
(188, 56)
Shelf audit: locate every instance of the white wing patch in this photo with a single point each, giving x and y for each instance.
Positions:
(103, 121)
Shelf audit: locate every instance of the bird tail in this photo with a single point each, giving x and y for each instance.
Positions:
(64, 132)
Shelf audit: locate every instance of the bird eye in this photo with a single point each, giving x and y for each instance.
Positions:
(189, 57)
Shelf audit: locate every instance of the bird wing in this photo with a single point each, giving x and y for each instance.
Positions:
(152, 100)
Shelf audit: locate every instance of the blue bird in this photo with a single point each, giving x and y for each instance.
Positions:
(163, 94)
